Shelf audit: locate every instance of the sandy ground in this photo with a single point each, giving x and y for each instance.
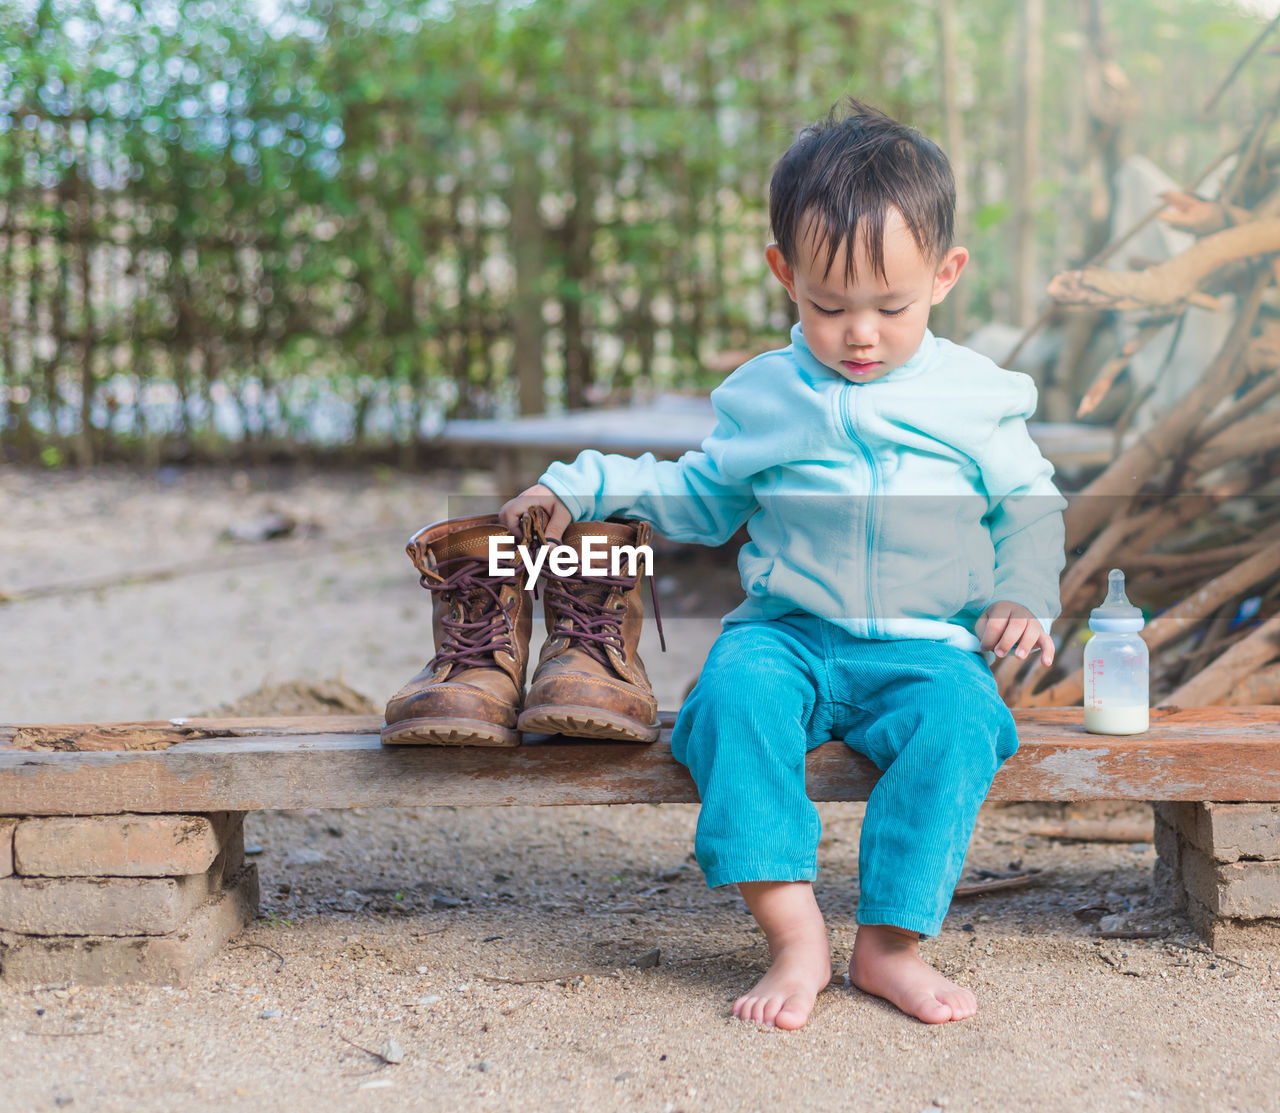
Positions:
(400, 925)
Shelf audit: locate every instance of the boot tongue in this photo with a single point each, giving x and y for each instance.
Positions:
(614, 533)
(468, 543)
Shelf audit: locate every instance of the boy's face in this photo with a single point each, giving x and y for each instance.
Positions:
(865, 328)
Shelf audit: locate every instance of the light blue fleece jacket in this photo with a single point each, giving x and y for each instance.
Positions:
(896, 508)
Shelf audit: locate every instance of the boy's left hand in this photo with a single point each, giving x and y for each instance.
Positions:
(1004, 626)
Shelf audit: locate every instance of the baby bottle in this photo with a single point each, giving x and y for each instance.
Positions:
(1116, 691)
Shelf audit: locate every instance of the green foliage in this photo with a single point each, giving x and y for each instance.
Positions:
(330, 199)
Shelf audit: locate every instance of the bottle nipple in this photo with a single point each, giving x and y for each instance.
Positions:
(1115, 590)
(1117, 614)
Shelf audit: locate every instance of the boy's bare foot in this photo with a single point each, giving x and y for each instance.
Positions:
(801, 968)
(886, 961)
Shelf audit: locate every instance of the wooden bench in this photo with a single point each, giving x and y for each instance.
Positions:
(157, 808)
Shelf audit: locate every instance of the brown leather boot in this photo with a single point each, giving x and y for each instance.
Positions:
(590, 681)
(469, 693)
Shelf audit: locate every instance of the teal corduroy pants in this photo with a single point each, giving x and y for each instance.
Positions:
(926, 713)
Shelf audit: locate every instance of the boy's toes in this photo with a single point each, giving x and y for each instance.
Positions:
(962, 1002)
(793, 1013)
(933, 1011)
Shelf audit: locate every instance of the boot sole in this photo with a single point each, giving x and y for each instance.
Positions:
(586, 722)
(455, 732)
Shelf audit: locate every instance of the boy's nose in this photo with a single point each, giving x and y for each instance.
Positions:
(861, 333)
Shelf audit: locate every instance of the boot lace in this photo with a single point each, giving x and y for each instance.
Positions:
(594, 626)
(473, 639)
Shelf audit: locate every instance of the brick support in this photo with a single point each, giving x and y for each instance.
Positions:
(117, 906)
(101, 905)
(6, 845)
(1239, 890)
(1228, 832)
(171, 959)
(1222, 863)
(121, 845)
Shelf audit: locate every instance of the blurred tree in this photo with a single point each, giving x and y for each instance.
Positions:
(339, 221)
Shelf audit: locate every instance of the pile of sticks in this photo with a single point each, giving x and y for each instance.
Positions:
(1190, 509)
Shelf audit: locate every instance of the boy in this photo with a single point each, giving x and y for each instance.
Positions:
(901, 521)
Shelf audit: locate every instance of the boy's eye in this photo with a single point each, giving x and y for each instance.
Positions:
(894, 312)
(826, 312)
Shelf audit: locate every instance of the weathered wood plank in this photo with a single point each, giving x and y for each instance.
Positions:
(159, 734)
(1227, 754)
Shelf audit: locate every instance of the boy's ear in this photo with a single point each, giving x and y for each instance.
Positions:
(948, 272)
(781, 269)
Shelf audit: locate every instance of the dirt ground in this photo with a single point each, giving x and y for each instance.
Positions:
(509, 953)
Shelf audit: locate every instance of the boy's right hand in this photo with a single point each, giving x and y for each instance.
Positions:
(558, 515)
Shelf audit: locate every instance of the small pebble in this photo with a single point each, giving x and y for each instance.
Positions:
(422, 969)
(375, 1084)
(392, 1052)
(271, 1014)
(429, 999)
(484, 1065)
(648, 960)
(441, 901)
(254, 849)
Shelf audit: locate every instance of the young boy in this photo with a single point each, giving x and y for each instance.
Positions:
(901, 522)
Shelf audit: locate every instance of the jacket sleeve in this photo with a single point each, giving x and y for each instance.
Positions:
(689, 499)
(1024, 513)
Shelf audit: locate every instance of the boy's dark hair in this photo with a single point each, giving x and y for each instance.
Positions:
(844, 173)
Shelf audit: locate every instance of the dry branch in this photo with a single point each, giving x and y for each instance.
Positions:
(1188, 506)
(1111, 370)
(1241, 62)
(1137, 464)
(1246, 404)
(1262, 687)
(1046, 314)
(1250, 436)
(1235, 666)
(1102, 830)
(1170, 283)
(1199, 216)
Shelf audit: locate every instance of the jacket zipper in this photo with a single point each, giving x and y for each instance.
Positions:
(846, 414)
